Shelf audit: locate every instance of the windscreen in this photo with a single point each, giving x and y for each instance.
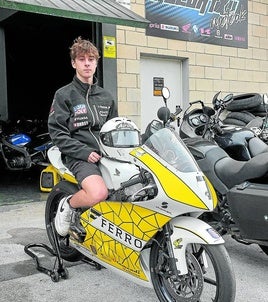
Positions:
(168, 145)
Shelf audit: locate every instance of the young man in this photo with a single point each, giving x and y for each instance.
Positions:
(77, 114)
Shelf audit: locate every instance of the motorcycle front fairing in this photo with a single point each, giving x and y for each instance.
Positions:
(184, 189)
(176, 173)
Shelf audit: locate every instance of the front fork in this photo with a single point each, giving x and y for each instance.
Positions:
(171, 257)
(183, 231)
(174, 271)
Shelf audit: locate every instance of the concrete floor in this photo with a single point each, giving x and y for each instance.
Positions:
(20, 187)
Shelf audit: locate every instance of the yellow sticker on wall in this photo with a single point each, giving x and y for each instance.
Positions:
(109, 47)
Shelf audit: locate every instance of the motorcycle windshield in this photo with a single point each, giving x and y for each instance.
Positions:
(168, 145)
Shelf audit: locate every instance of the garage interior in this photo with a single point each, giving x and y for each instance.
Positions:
(38, 61)
(37, 64)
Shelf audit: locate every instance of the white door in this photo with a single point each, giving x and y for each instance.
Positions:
(156, 72)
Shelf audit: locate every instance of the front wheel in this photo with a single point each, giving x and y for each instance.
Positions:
(210, 275)
(62, 189)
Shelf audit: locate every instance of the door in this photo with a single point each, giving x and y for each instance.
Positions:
(155, 73)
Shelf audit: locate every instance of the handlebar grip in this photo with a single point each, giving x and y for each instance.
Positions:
(195, 102)
(132, 181)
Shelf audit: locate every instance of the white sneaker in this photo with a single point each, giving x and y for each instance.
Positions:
(63, 217)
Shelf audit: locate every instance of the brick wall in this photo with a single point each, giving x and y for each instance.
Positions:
(212, 68)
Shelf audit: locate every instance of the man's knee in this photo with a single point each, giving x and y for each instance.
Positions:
(99, 195)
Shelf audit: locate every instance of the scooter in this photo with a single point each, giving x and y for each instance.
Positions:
(236, 163)
(241, 143)
(148, 228)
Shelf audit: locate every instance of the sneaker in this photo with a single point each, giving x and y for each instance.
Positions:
(76, 229)
(63, 217)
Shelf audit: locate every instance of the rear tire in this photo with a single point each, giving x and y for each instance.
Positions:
(212, 282)
(245, 101)
(233, 121)
(243, 116)
(62, 189)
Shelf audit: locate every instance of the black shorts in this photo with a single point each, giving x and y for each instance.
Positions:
(82, 169)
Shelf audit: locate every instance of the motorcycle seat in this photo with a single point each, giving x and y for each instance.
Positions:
(233, 172)
(54, 155)
(257, 146)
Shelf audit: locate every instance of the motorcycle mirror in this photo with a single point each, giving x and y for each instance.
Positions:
(228, 98)
(165, 93)
(163, 114)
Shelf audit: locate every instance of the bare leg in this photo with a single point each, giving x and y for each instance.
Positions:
(93, 191)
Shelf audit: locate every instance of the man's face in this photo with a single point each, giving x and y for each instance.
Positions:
(85, 65)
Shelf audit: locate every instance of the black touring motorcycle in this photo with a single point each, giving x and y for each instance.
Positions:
(236, 163)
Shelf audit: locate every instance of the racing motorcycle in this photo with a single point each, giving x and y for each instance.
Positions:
(236, 163)
(241, 143)
(21, 148)
(148, 228)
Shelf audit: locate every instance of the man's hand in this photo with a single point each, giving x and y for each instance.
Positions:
(93, 157)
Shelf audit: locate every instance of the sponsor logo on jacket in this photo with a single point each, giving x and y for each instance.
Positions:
(80, 109)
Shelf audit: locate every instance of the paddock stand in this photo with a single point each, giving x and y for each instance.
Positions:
(58, 271)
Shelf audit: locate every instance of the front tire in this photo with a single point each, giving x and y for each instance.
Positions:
(210, 275)
(62, 189)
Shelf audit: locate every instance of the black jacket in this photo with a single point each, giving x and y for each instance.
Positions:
(76, 116)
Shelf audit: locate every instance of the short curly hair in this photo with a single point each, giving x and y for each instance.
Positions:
(83, 46)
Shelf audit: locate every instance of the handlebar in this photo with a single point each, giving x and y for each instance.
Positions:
(196, 102)
(132, 182)
(141, 178)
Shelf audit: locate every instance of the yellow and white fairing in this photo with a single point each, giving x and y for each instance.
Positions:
(181, 184)
(117, 233)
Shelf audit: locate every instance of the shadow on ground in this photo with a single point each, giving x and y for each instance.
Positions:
(20, 187)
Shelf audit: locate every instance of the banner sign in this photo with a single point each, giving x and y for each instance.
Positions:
(220, 22)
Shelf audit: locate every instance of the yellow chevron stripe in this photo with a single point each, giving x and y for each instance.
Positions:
(172, 185)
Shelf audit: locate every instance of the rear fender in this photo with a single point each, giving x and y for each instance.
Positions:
(187, 230)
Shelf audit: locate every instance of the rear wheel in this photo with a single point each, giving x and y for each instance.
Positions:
(243, 116)
(246, 101)
(210, 275)
(62, 189)
(233, 121)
